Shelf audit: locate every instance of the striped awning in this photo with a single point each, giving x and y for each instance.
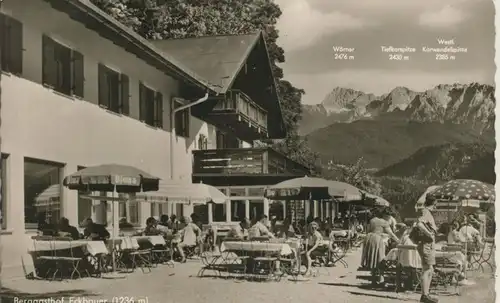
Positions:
(175, 191)
(50, 194)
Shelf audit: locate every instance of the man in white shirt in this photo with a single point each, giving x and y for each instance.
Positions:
(260, 229)
(469, 233)
(239, 231)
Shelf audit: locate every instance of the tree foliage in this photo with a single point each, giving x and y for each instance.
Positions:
(166, 19)
(355, 174)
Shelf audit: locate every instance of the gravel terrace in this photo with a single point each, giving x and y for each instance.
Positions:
(180, 284)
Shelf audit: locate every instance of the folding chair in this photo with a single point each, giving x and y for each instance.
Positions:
(73, 259)
(265, 260)
(338, 252)
(446, 273)
(161, 254)
(44, 260)
(211, 262)
(138, 257)
(29, 268)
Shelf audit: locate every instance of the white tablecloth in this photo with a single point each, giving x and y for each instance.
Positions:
(122, 243)
(91, 247)
(408, 256)
(154, 240)
(279, 248)
(341, 233)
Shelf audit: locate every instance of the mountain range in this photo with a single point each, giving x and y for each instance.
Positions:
(392, 130)
(447, 161)
(472, 104)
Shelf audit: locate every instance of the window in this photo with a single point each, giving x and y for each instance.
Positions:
(3, 192)
(84, 205)
(237, 191)
(42, 192)
(179, 210)
(256, 191)
(11, 42)
(129, 211)
(158, 209)
(181, 121)
(219, 212)
(62, 68)
(237, 210)
(202, 142)
(256, 209)
(113, 90)
(151, 106)
(201, 212)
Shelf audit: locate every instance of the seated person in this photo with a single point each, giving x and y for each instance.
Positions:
(315, 241)
(299, 227)
(190, 235)
(173, 223)
(123, 224)
(45, 227)
(333, 247)
(286, 230)
(151, 229)
(94, 231)
(405, 236)
(239, 231)
(260, 229)
(454, 235)
(470, 234)
(164, 221)
(66, 229)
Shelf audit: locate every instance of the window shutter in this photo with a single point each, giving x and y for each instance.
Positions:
(159, 110)
(125, 95)
(16, 47)
(49, 67)
(185, 115)
(63, 58)
(142, 102)
(103, 86)
(3, 40)
(78, 74)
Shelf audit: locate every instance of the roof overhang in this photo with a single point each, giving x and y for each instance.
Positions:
(92, 17)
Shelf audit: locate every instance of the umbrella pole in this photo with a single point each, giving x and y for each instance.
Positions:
(113, 231)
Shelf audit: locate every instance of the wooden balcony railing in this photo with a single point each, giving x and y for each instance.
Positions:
(238, 102)
(244, 161)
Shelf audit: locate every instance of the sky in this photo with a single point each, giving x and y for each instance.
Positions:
(309, 29)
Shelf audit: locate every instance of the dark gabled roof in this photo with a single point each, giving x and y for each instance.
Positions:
(211, 63)
(95, 19)
(218, 59)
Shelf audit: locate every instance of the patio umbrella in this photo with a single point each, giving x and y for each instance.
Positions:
(304, 188)
(377, 201)
(49, 197)
(313, 188)
(344, 192)
(113, 178)
(174, 191)
(465, 194)
(421, 200)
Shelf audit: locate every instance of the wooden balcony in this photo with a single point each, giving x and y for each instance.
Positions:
(262, 161)
(241, 114)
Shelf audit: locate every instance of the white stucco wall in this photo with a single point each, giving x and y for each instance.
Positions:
(41, 124)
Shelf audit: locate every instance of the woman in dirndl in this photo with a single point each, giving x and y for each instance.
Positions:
(374, 248)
